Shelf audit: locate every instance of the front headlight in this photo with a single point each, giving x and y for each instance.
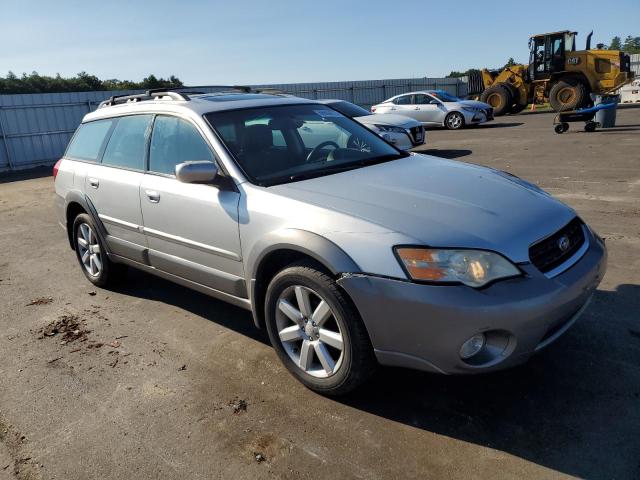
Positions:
(474, 268)
(389, 128)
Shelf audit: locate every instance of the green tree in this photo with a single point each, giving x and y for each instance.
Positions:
(510, 63)
(631, 44)
(615, 44)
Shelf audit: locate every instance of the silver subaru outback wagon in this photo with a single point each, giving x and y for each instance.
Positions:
(350, 252)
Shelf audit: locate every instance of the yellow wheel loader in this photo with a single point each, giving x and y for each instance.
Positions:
(557, 73)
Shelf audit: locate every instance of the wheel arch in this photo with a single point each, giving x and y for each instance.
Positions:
(76, 203)
(284, 247)
(578, 76)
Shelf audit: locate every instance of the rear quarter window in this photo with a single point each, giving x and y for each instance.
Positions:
(88, 140)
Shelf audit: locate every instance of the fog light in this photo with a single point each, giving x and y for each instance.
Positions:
(472, 346)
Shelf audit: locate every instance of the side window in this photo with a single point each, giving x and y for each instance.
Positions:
(88, 140)
(126, 147)
(175, 141)
(403, 100)
(422, 99)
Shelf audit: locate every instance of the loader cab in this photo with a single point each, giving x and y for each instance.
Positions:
(547, 53)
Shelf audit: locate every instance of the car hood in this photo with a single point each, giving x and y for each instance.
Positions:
(388, 119)
(474, 104)
(440, 203)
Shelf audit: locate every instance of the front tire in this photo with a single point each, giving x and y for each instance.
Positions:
(454, 121)
(91, 254)
(316, 331)
(499, 97)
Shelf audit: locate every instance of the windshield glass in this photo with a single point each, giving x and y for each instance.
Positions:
(286, 143)
(349, 109)
(445, 97)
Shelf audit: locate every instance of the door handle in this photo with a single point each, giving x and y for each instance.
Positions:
(152, 195)
(417, 108)
(94, 182)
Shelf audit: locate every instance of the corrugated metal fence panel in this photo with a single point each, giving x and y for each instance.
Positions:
(635, 63)
(35, 128)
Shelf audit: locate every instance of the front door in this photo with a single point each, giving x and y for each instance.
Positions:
(191, 229)
(427, 109)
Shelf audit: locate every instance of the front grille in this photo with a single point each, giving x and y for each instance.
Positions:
(417, 134)
(547, 254)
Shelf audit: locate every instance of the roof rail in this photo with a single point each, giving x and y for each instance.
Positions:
(148, 95)
(165, 92)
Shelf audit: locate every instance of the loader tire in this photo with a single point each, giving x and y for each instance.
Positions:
(499, 97)
(567, 94)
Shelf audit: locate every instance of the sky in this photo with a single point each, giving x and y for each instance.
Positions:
(271, 41)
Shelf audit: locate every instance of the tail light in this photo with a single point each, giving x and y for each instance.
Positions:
(373, 109)
(56, 167)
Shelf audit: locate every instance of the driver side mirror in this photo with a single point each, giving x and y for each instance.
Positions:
(202, 171)
(434, 102)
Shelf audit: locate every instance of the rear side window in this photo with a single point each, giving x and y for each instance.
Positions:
(175, 141)
(127, 145)
(403, 100)
(88, 140)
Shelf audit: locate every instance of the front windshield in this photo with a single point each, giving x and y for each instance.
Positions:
(350, 110)
(445, 97)
(292, 142)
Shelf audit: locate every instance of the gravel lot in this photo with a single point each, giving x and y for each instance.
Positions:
(155, 381)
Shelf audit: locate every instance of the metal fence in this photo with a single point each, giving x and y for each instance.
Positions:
(35, 128)
(635, 63)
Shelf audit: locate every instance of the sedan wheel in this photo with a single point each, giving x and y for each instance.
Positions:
(309, 332)
(454, 121)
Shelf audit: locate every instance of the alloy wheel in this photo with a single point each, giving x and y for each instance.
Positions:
(454, 121)
(89, 250)
(309, 331)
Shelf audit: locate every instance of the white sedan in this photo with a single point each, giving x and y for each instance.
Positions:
(437, 108)
(402, 131)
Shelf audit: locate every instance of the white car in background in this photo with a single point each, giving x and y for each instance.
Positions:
(402, 131)
(437, 108)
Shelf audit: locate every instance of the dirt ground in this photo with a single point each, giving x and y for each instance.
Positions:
(156, 381)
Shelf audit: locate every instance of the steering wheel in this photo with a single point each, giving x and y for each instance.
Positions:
(319, 147)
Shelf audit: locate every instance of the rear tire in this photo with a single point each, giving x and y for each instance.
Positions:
(590, 127)
(559, 128)
(91, 254)
(499, 97)
(329, 353)
(567, 94)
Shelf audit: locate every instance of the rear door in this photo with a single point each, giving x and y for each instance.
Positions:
(191, 229)
(402, 105)
(113, 185)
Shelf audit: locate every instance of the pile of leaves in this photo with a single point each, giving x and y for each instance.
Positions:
(70, 327)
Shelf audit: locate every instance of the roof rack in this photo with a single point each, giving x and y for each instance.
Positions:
(173, 93)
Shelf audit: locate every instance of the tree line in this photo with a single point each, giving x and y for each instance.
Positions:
(82, 82)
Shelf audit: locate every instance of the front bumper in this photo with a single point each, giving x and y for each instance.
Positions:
(423, 326)
(406, 140)
(475, 118)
